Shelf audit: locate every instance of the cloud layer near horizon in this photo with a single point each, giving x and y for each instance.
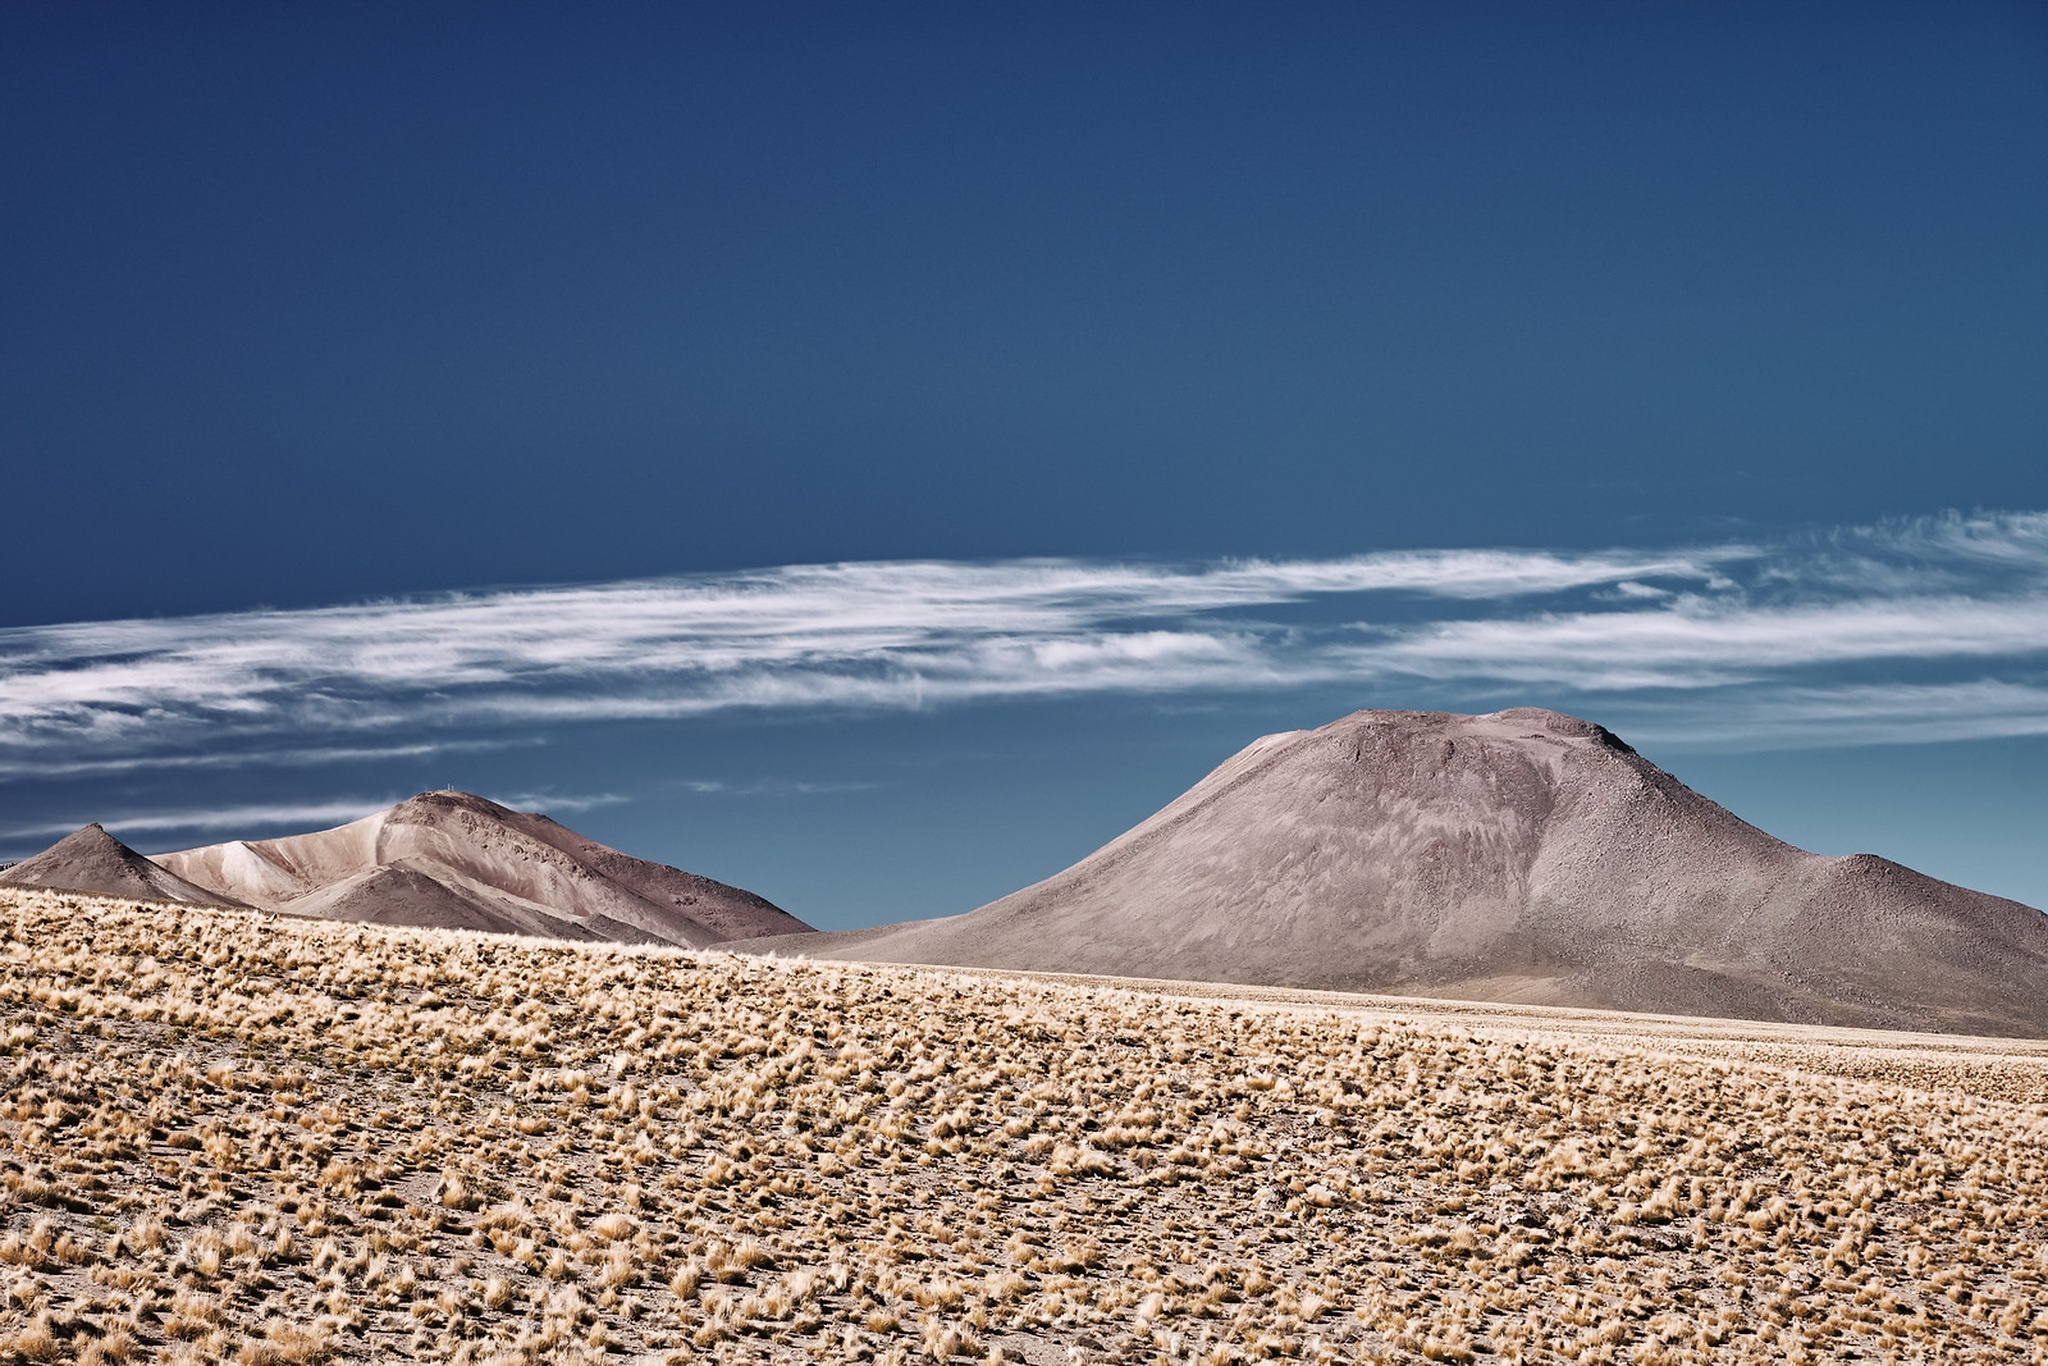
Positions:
(1922, 630)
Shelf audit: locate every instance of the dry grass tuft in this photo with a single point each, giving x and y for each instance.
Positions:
(297, 1142)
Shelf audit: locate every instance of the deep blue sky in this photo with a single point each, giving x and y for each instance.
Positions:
(306, 305)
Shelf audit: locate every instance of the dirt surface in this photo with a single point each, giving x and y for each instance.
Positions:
(1522, 856)
(455, 860)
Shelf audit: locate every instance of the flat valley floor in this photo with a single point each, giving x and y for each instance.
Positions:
(226, 1137)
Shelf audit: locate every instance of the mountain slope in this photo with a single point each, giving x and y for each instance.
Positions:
(1521, 856)
(454, 859)
(91, 860)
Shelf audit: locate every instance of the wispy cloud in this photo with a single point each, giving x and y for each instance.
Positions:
(895, 634)
(1852, 714)
(263, 818)
(1696, 642)
(1750, 639)
(767, 787)
(548, 801)
(241, 819)
(316, 756)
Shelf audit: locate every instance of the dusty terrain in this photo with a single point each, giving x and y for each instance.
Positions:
(1522, 856)
(226, 1137)
(455, 860)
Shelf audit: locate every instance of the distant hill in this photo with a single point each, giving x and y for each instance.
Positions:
(91, 860)
(1522, 856)
(458, 860)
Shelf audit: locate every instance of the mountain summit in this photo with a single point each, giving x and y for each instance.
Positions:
(1521, 856)
(457, 860)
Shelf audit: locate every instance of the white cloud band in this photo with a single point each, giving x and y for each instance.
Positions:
(1749, 631)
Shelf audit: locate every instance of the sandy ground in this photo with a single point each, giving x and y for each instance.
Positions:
(238, 1139)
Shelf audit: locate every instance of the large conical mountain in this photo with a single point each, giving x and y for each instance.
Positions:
(456, 860)
(91, 860)
(1522, 856)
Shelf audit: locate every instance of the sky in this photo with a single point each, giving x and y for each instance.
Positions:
(873, 455)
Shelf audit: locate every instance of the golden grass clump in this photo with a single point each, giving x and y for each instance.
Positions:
(228, 1140)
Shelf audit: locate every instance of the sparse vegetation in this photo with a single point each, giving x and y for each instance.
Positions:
(230, 1141)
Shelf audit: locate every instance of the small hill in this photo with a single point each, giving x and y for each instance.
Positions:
(456, 860)
(1522, 856)
(91, 860)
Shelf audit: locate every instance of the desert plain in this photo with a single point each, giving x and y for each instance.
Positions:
(238, 1138)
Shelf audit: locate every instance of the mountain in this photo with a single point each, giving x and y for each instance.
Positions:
(91, 860)
(1522, 856)
(457, 860)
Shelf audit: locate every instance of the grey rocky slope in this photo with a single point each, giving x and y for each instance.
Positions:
(457, 860)
(1522, 856)
(91, 860)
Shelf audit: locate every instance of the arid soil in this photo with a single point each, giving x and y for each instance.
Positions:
(1522, 856)
(226, 1137)
(458, 861)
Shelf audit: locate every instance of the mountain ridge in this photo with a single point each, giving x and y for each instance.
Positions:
(454, 859)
